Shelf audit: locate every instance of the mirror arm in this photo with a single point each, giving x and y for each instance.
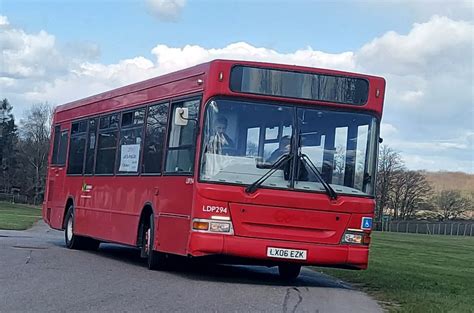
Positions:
(188, 118)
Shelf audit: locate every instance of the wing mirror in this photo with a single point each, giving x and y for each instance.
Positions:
(181, 116)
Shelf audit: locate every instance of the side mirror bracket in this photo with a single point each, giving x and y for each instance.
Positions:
(181, 116)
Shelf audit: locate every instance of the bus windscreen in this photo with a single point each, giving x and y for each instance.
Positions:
(290, 84)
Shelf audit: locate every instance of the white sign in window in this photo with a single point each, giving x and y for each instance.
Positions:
(129, 157)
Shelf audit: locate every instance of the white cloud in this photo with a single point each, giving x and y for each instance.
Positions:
(454, 9)
(411, 96)
(166, 10)
(437, 163)
(428, 48)
(61, 86)
(95, 77)
(431, 153)
(388, 130)
(430, 147)
(3, 21)
(92, 78)
(29, 55)
(429, 96)
(169, 59)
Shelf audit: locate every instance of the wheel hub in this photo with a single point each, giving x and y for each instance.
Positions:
(69, 229)
(147, 240)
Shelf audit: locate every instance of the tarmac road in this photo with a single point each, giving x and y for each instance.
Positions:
(38, 274)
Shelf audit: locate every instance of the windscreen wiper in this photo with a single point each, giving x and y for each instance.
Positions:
(278, 164)
(331, 193)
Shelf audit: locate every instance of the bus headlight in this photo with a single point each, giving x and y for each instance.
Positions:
(356, 237)
(220, 227)
(352, 238)
(212, 226)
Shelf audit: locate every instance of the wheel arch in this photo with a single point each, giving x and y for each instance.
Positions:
(69, 202)
(147, 210)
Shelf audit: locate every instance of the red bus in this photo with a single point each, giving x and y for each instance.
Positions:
(243, 162)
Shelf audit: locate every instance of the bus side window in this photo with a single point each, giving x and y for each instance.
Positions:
(77, 147)
(57, 137)
(107, 144)
(62, 148)
(131, 134)
(182, 140)
(157, 120)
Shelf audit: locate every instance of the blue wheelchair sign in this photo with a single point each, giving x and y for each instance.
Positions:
(366, 223)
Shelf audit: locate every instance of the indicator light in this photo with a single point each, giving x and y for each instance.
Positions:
(366, 239)
(198, 225)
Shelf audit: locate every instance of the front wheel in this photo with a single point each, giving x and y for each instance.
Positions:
(289, 271)
(74, 241)
(156, 260)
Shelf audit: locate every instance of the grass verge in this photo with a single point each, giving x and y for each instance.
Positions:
(18, 216)
(418, 273)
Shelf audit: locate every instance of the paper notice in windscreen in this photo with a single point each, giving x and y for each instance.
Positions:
(129, 156)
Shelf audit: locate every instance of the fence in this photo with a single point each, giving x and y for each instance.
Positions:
(16, 198)
(451, 228)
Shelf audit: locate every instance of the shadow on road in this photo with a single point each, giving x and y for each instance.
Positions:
(199, 270)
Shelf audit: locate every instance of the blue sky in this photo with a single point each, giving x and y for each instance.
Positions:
(59, 51)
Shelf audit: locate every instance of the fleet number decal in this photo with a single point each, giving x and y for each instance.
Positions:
(214, 209)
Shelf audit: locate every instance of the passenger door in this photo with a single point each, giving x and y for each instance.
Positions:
(56, 198)
(175, 196)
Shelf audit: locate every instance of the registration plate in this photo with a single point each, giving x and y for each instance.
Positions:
(286, 253)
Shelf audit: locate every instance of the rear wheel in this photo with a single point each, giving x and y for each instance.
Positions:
(156, 260)
(289, 271)
(74, 241)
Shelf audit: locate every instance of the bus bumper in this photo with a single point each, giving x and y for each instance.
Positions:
(202, 244)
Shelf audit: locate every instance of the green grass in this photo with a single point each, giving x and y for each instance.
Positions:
(18, 216)
(418, 273)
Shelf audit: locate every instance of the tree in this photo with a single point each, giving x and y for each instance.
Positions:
(390, 163)
(34, 144)
(8, 138)
(410, 191)
(451, 204)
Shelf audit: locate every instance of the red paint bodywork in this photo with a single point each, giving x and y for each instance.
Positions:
(111, 210)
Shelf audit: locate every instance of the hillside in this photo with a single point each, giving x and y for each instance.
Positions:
(463, 182)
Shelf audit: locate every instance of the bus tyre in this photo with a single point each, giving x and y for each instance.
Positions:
(74, 241)
(156, 260)
(289, 271)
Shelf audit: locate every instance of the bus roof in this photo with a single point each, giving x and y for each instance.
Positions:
(155, 81)
(201, 70)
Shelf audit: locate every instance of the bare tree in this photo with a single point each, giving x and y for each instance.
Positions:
(452, 204)
(33, 145)
(410, 191)
(390, 163)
